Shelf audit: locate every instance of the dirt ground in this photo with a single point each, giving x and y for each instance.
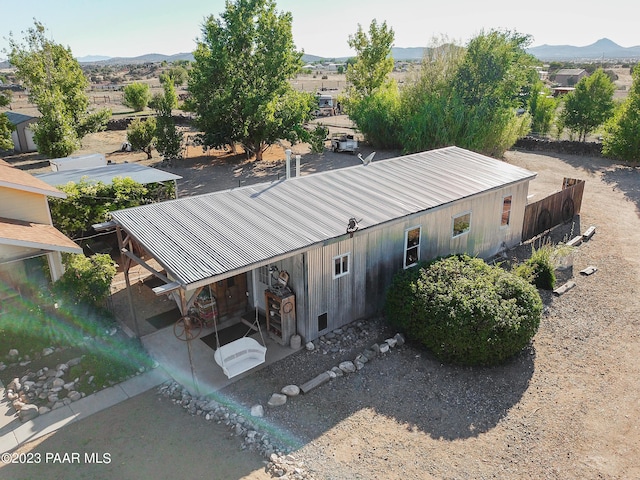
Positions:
(567, 408)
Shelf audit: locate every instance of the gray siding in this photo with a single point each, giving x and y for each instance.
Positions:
(376, 254)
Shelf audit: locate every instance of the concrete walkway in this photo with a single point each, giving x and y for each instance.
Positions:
(14, 433)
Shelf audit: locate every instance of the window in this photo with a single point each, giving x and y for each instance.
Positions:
(461, 224)
(411, 246)
(340, 265)
(263, 274)
(506, 211)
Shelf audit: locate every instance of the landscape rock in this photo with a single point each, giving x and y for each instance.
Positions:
(47, 351)
(290, 390)
(310, 346)
(277, 399)
(384, 348)
(257, 411)
(74, 396)
(28, 412)
(347, 367)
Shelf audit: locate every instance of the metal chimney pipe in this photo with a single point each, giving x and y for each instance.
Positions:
(287, 152)
(297, 165)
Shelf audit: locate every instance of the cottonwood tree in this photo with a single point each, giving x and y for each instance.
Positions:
(136, 95)
(470, 97)
(168, 138)
(56, 86)
(6, 143)
(239, 84)
(589, 105)
(372, 98)
(622, 133)
(373, 62)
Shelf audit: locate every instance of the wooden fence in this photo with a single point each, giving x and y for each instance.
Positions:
(553, 210)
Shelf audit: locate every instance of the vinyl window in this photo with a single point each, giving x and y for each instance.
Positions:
(506, 211)
(341, 265)
(461, 224)
(411, 246)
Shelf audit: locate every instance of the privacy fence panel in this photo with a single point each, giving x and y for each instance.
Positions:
(557, 208)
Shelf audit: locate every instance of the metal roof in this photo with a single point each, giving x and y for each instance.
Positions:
(196, 238)
(106, 173)
(16, 118)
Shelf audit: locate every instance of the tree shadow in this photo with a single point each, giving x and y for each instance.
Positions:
(627, 179)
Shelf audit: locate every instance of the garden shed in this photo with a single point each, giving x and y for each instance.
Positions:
(22, 136)
(339, 235)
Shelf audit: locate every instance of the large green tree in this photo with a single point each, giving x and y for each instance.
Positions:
(6, 143)
(239, 84)
(136, 95)
(622, 132)
(168, 138)
(473, 97)
(57, 87)
(373, 62)
(589, 105)
(372, 97)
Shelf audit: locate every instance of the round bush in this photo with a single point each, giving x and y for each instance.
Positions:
(465, 311)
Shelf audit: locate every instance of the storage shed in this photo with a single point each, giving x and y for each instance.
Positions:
(340, 235)
(22, 136)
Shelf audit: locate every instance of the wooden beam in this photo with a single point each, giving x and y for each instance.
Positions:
(144, 264)
(166, 288)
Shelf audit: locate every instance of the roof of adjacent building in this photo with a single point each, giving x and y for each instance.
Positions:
(571, 71)
(12, 177)
(106, 174)
(196, 238)
(35, 235)
(16, 118)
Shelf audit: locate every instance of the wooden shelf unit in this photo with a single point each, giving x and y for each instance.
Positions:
(281, 316)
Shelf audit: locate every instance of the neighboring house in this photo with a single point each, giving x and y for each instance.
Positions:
(340, 235)
(26, 231)
(569, 77)
(22, 136)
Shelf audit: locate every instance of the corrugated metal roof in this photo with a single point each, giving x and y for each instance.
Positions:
(16, 118)
(106, 173)
(199, 237)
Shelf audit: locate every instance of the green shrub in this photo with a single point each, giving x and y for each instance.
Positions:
(539, 269)
(86, 280)
(465, 311)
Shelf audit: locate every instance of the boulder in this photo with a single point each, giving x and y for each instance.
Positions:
(28, 412)
(290, 390)
(277, 399)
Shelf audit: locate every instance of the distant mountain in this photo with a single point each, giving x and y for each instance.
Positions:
(92, 58)
(148, 58)
(409, 53)
(603, 48)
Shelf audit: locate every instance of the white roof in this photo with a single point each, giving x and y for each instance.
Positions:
(196, 238)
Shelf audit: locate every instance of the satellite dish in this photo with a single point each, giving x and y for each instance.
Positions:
(368, 159)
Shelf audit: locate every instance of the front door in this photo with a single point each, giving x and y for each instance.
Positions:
(231, 295)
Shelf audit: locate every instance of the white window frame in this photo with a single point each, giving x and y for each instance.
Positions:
(453, 223)
(407, 247)
(508, 224)
(264, 274)
(341, 258)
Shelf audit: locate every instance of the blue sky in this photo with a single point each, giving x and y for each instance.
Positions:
(135, 27)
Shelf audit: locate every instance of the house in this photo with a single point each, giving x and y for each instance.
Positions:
(569, 77)
(339, 235)
(22, 136)
(26, 231)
